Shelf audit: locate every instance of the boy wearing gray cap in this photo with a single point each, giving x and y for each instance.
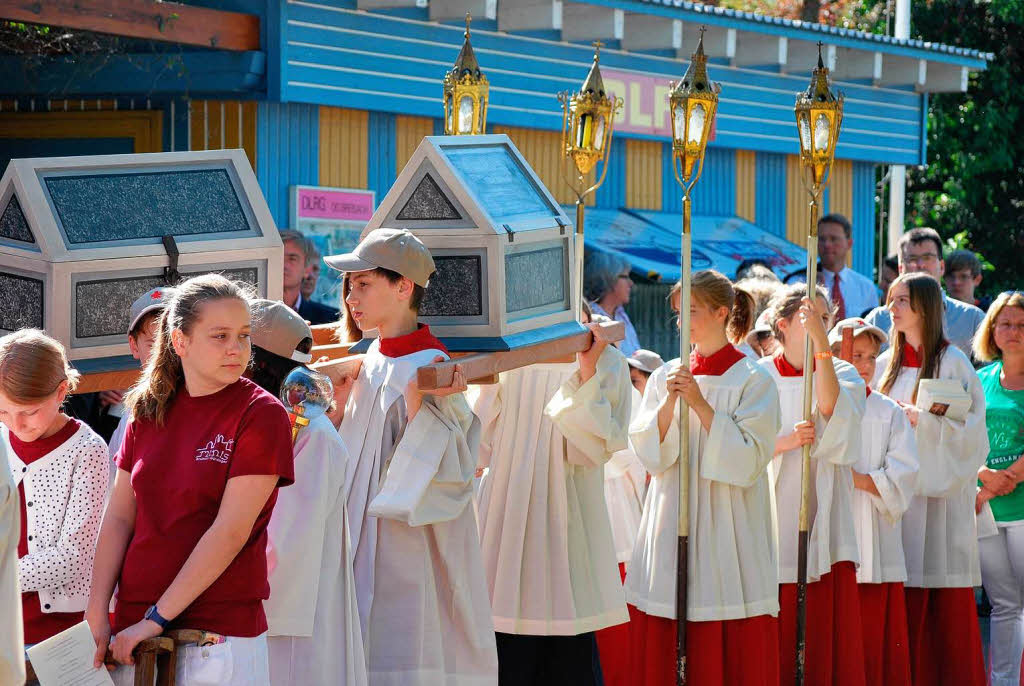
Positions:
(422, 595)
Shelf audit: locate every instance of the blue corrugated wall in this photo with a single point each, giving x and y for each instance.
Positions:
(287, 145)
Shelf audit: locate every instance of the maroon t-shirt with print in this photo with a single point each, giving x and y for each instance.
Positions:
(179, 472)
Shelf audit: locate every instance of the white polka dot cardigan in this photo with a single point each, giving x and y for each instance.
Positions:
(65, 494)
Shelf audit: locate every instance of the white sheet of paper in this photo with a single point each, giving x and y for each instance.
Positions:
(66, 659)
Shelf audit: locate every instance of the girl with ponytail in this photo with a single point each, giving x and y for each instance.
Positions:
(185, 534)
(732, 630)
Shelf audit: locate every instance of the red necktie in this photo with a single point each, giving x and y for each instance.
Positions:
(837, 298)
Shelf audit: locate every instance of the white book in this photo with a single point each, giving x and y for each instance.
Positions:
(944, 397)
(66, 659)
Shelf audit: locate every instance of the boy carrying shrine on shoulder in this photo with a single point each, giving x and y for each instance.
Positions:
(422, 595)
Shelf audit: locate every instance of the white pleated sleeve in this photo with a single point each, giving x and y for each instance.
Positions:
(896, 476)
(430, 477)
(594, 416)
(12, 640)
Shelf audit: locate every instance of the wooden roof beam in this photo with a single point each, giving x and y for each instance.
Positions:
(719, 43)
(147, 19)
(455, 10)
(854, 64)
(802, 57)
(903, 71)
(582, 22)
(651, 32)
(530, 15)
(944, 77)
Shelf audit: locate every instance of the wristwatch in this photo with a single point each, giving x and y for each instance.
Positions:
(154, 616)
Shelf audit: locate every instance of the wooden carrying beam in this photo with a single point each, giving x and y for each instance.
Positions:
(324, 334)
(148, 19)
(483, 365)
(107, 381)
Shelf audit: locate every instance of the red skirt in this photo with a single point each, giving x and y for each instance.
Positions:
(738, 652)
(835, 647)
(613, 646)
(945, 642)
(883, 616)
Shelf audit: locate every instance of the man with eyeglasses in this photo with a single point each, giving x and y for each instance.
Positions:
(920, 250)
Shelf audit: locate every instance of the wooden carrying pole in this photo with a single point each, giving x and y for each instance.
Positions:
(483, 365)
(805, 465)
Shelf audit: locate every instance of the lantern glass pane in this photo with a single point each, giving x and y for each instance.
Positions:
(599, 133)
(451, 114)
(679, 122)
(821, 133)
(805, 132)
(695, 128)
(585, 131)
(465, 114)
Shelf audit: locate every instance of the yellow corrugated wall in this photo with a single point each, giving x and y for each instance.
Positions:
(798, 212)
(541, 150)
(344, 147)
(409, 131)
(643, 174)
(223, 125)
(745, 184)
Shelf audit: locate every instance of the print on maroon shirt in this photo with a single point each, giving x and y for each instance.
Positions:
(178, 473)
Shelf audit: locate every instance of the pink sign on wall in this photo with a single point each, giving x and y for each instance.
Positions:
(645, 103)
(336, 205)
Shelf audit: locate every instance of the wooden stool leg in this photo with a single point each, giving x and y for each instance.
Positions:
(145, 669)
(167, 663)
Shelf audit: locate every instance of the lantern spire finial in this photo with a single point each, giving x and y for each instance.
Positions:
(594, 83)
(821, 63)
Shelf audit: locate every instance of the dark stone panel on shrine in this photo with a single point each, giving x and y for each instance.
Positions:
(21, 302)
(101, 306)
(128, 206)
(456, 289)
(428, 202)
(535, 278)
(13, 224)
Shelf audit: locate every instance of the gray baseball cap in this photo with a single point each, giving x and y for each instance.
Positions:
(394, 249)
(279, 329)
(645, 360)
(153, 300)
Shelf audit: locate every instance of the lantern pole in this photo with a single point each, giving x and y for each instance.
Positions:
(692, 105)
(588, 122)
(819, 115)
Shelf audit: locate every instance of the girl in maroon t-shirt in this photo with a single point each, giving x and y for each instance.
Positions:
(60, 468)
(185, 534)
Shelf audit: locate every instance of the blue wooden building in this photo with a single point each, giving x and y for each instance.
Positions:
(341, 92)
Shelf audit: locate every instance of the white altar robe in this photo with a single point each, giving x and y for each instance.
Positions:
(547, 541)
(889, 456)
(940, 539)
(625, 485)
(419, 576)
(313, 634)
(832, 537)
(732, 560)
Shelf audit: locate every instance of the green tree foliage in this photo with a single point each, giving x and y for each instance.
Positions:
(974, 181)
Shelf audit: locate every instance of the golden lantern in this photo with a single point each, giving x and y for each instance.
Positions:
(587, 119)
(692, 104)
(465, 93)
(819, 114)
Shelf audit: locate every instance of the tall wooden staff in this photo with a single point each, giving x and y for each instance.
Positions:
(819, 114)
(692, 103)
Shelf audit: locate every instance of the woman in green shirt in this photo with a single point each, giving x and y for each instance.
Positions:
(1000, 340)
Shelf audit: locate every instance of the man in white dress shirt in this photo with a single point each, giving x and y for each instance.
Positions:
(852, 293)
(920, 250)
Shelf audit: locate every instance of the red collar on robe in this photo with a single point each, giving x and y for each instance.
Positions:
(784, 367)
(716, 363)
(867, 390)
(420, 339)
(913, 358)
